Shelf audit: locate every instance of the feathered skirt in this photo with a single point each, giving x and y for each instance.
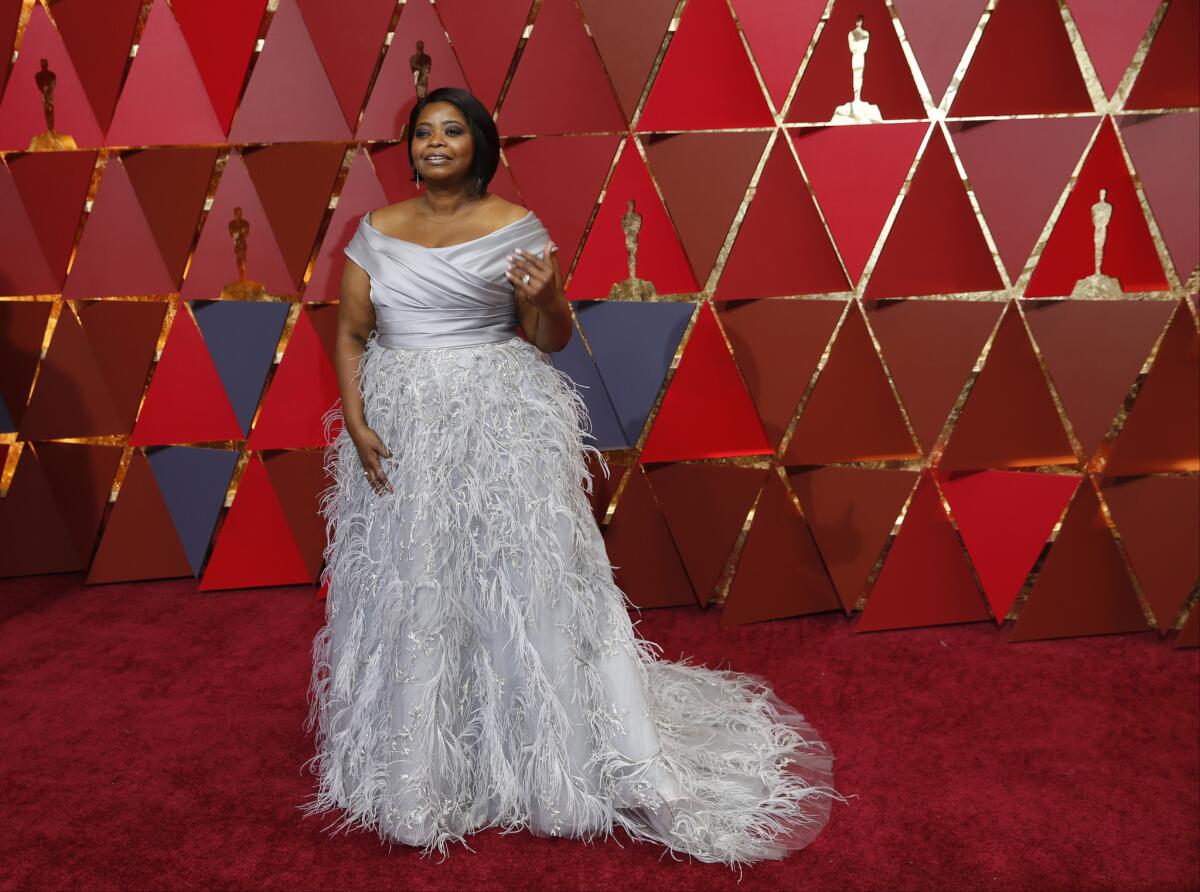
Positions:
(478, 666)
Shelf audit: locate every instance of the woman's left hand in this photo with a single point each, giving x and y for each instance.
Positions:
(535, 279)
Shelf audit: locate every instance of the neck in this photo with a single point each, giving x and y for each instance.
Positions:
(448, 200)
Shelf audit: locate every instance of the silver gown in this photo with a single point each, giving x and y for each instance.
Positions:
(478, 666)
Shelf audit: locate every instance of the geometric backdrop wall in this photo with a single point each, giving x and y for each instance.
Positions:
(916, 338)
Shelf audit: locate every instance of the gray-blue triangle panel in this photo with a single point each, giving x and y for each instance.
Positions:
(6, 422)
(193, 482)
(241, 338)
(633, 344)
(574, 361)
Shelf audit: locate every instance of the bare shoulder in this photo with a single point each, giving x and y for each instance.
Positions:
(504, 212)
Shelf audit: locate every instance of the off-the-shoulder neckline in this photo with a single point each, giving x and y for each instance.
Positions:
(366, 219)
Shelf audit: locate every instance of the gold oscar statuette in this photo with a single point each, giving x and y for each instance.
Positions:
(1098, 286)
(420, 62)
(856, 111)
(243, 288)
(631, 288)
(51, 140)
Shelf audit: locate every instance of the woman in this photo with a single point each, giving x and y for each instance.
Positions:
(478, 666)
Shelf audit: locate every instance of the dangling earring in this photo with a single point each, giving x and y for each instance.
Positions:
(418, 179)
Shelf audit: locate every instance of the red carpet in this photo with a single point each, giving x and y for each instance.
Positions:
(152, 740)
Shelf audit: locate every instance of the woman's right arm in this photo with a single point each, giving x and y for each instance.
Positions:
(356, 321)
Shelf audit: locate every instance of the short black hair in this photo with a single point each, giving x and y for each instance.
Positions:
(485, 139)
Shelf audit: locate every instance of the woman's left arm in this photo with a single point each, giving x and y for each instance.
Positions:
(541, 303)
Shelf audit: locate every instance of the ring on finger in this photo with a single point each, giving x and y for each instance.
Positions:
(525, 278)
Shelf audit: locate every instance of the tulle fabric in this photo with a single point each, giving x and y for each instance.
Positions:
(479, 667)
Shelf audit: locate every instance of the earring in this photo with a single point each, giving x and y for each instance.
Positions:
(418, 179)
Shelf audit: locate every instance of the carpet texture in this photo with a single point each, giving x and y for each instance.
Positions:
(152, 739)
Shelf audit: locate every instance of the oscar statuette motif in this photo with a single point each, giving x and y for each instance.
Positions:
(1098, 286)
(243, 288)
(856, 111)
(420, 62)
(631, 288)
(51, 140)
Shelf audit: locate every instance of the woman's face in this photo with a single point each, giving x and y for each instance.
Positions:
(441, 144)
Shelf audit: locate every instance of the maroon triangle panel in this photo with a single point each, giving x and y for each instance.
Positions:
(646, 564)
(780, 571)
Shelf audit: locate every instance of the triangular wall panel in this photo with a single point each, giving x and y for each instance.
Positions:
(781, 246)
(349, 39)
(1018, 169)
(938, 33)
(660, 256)
(139, 539)
(1170, 76)
(255, 545)
(690, 92)
(935, 245)
(1009, 419)
(779, 572)
(123, 336)
(163, 100)
(185, 402)
(1159, 521)
(36, 537)
(485, 36)
(705, 506)
(1162, 430)
(221, 35)
(852, 414)
(117, 253)
(778, 344)
(1023, 64)
(193, 483)
(887, 80)
(1111, 32)
(22, 115)
(1165, 150)
(851, 512)
(702, 217)
(628, 35)
(560, 85)
(1129, 254)
(69, 398)
(930, 348)
(288, 98)
(1083, 588)
(706, 411)
(53, 186)
(633, 345)
(646, 564)
(1005, 518)
(856, 174)
(925, 579)
(301, 392)
(80, 476)
(1093, 383)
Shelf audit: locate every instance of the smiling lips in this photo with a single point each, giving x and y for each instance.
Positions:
(437, 159)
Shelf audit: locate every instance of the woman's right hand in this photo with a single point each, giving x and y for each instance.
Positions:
(370, 449)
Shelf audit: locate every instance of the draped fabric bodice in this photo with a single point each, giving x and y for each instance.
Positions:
(450, 296)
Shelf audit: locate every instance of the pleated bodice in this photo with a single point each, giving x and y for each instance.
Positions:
(449, 296)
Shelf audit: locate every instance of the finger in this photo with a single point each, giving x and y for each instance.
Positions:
(532, 259)
(517, 275)
(539, 271)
